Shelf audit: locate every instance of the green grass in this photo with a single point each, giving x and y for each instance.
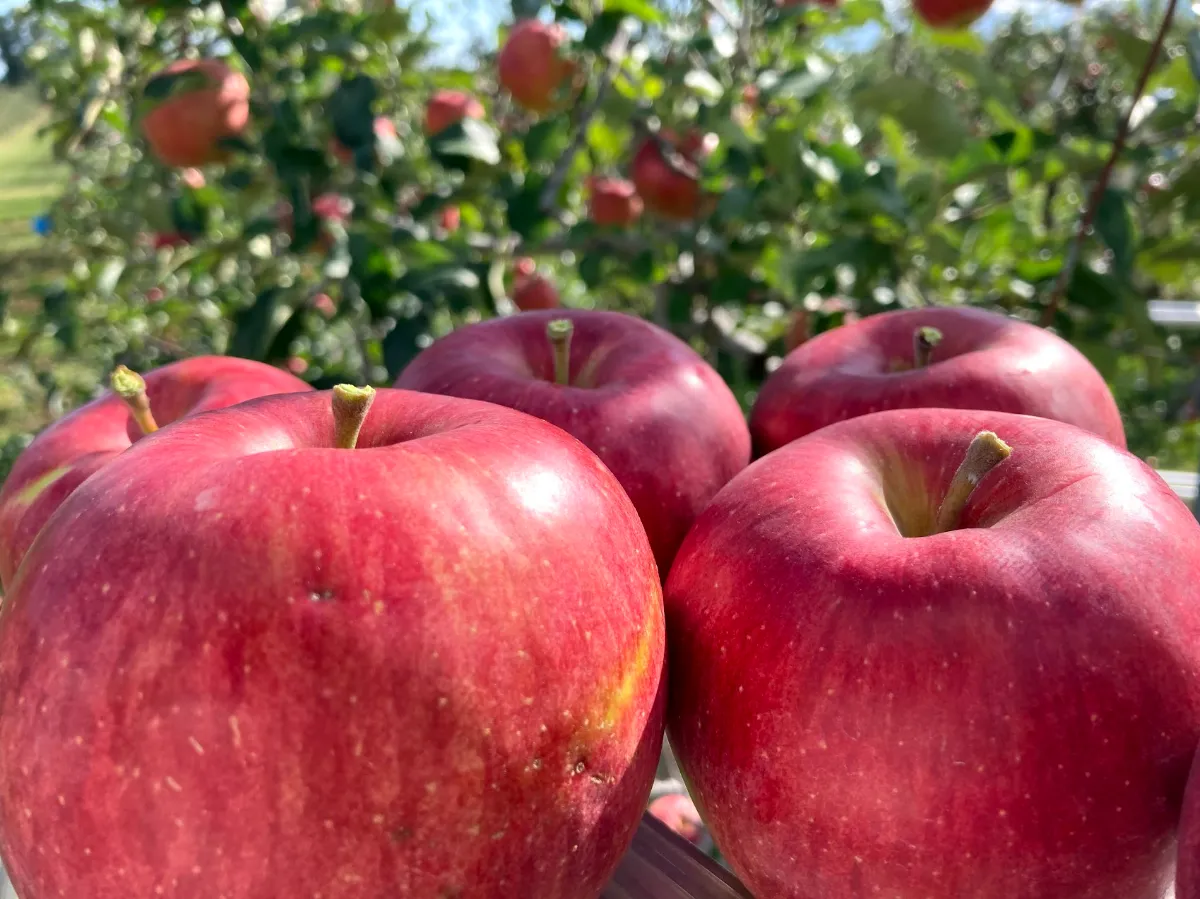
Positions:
(29, 177)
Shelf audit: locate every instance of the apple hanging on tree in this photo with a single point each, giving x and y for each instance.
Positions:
(952, 357)
(666, 173)
(654, 412)
(910, 657)
(447, 107)
(76, 446)
(532, 66)
(613, 202)
(338, 643)
(532, 290)
(189, 107)
(950, 14)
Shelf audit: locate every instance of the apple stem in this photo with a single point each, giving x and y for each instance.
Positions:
(131, 387)
(985, 453)
(924, 340)
(559, 332)
(350, 407)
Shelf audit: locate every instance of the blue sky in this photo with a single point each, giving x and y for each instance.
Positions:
(459, 23)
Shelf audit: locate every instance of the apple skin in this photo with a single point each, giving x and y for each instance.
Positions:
(985, 361)
(446, 108)
(535, 292)
(184, 130)
(950, 14)
(385, 130)
(531, 66)
(1004, 710)
(613, 202)
(672, 192)
(254, 666)
(70, 450)
(652, 409)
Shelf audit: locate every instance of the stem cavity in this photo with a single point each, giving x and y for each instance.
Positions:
(559, 332)
(985, 453)
(131, 387)
(350, 407)
(924, 340)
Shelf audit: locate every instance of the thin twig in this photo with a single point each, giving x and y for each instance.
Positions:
(745, 32)
(1101, 186)
(616, 55)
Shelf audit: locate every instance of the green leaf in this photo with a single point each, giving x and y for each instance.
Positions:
(351, 110)
(400, 345)
(547, 139)
(1193, 52)
(639, 9)
(526, 9)
(704, 84)
(465, 142)
(254, 326)
(1115, 227)
(804, 82)
(602, 30)
(525, 214)
(173, 84)
(918, 106)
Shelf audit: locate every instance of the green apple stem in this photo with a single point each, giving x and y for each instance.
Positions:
(985, 453)
(350, 407)
(131, 387)
(924, 340)
(559, 332)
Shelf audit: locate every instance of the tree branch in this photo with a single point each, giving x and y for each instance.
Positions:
(1101, 186)
(724, 13)
(616, 55)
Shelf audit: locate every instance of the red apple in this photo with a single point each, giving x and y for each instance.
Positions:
(450, 218)
(983, 361)
(265, 653)
(950, 14)
(534, 291)
(384, 129)
(189, 107)
(163, 241)
(667, 176)
(885, 683)
(614, 202)
(531, 65)
(446, 108)
(653, 411)
(73, 448)
(678, 812)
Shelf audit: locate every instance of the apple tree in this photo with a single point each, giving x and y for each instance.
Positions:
(745, 175)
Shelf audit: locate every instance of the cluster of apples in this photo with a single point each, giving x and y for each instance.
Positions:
(941, 639)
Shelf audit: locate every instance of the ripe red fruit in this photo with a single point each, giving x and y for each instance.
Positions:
(83, 442)
(950, 14)
(678, 812)
(193, 178)
(667, 177)
(189, 107)
(614, 202)
(384, 128)
(644, 401)
(864, 703)
(535, 292)
(531, 65)
(325, 305)
(393, 654)
(450, 218)
(446, 108)
(328, 207)
(983, 360)
(172, 239)
(524, 266)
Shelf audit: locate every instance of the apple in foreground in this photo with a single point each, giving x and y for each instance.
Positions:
(278, 650)
(907, 663)
(959, 358)
(654, 412)
(76, 446)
